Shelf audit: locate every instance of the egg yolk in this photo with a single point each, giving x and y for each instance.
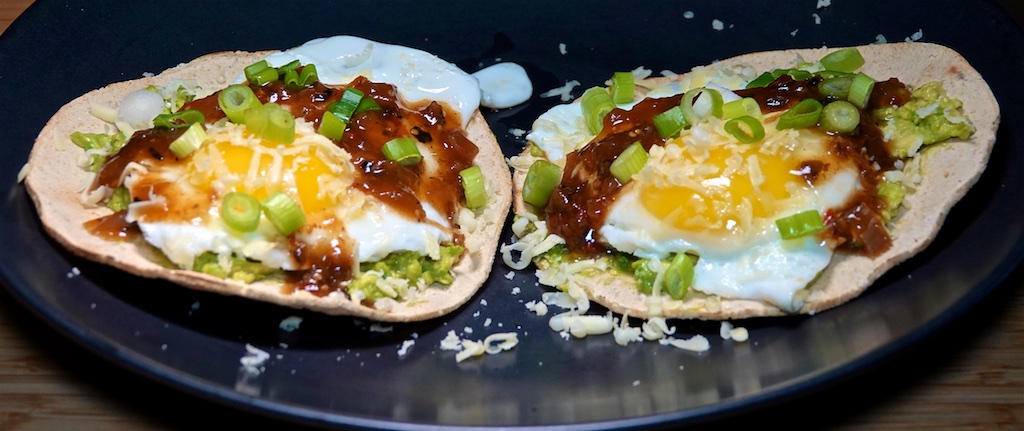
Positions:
(236, 161)
(266, 173)
(726, 193)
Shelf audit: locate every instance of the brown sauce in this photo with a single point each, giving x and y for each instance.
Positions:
(580, 203)
(404, 188)
(113, 227)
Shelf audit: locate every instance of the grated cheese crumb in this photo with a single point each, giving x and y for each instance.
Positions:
(916, 36)
(824, 3)
(697, 343)
(717, 24)
(254, 359)
(564, 92)
(561, 49)
(404, 349)
(290, 323)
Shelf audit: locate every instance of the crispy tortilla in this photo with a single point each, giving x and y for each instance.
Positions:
(54, 182)
(948, 169)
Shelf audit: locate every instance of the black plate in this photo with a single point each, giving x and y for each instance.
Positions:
(336, 371)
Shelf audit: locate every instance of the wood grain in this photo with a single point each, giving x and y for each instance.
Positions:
(969, 378)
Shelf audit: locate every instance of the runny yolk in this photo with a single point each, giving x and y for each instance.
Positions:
(726, 192)
(299, 174)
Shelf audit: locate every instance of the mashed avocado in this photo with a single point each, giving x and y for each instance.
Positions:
(388, 277)
(376, 279)
(234, 268)
(929, 117)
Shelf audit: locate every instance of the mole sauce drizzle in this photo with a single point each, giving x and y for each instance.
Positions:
(580, 203)
(401, 187)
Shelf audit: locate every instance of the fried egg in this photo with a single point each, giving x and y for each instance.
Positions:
(177, 204)
(706, 194)
(178, 211)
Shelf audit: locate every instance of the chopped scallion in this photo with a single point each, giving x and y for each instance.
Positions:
(629, 162)
(240, 211)
(541, 180)
(290, 78)
(597, 103)
(837, 87)
(746, 106)
(840, 117)
(745, 129)
(271, 122)
(331, 126)
(260, 73)
(235, 100)
(804, 114)
(345, 107)
(283, 212)
(843, 60)
(700, 103)
(290, 67)
(761, 81)
(189, 141)
(308, 75)
(402, 151)
(622, 87)
(678, 276)
(473, 185)
(800, 224)
(670, 122)
(860, 90)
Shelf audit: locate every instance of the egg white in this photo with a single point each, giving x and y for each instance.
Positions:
(755, 264)
(375, 229)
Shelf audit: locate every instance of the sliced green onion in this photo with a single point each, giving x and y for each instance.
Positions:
(836, 87)
(746, 106)
(290, 67)
(800, 224)
(629, 162)
(260, 73)
(271, 122)
(670, 122)
(796, 74)
(331, 126)
(283, 212)
(189, 141)
(701, 103)
(597, 103)
(240, 211)
(840, 117)
(541, 180)
(843, 60)
(473, 184)
(235, 100)
(308, 75)
(761, 81)
(804, 114)
(622, 87)
(678, 276)
(367, 104)
(860, 90)
(745, 129)
(345, 107)
(178, 120)
(290, 78)
(402, 151)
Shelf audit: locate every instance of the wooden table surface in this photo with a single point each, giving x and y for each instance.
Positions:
(971, 377)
